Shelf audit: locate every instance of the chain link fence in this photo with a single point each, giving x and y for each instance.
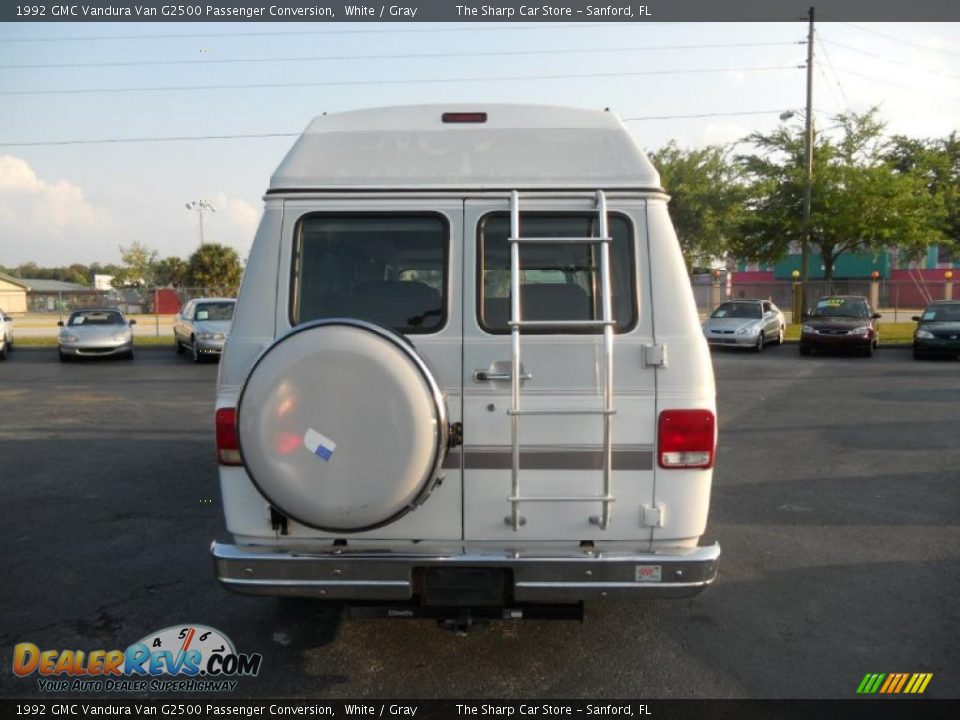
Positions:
(133, 301)
(898, 300)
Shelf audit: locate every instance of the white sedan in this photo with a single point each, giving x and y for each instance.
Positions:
(745, 323)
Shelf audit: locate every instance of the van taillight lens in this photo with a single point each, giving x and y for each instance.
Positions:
(686, 439)
(228, 452)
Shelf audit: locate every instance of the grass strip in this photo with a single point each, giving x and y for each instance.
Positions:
(51, 341)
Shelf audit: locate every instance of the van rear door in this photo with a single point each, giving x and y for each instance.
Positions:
(377, 259)
(560, 455)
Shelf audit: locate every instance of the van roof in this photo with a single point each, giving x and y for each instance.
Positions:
(517, 147)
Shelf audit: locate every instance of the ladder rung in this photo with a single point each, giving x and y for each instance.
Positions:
(560, 240)
(563, 411)
(562, 498)
(560, 323)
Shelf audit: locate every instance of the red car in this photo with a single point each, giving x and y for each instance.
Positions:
(841, 322)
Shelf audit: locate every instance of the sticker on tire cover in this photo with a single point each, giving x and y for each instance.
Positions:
(319, 444)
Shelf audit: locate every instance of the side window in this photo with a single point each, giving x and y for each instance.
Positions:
(558, 281)
(388, 269)
(767, 307)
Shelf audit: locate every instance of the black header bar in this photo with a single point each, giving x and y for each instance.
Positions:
(534, 709)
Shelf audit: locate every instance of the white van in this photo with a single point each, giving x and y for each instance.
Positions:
(466, 371)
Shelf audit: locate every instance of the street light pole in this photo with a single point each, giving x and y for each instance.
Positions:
(808, 190)
(200, 206)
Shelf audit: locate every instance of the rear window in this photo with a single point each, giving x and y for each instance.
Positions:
(558, 282)
(215, 311)
(388, 269)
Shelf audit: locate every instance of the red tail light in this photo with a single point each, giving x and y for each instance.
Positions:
(228, 451)
(686, 439)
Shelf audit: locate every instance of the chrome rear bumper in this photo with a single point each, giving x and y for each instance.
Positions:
(364, 575)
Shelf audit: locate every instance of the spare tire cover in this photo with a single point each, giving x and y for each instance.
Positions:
(341, 426)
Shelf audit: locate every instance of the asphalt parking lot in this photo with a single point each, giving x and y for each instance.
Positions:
(836, 502)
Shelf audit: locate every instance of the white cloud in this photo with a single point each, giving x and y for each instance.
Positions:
(234, 223)
(239, 213)
(36, 212)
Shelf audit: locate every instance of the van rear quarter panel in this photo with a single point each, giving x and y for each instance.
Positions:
(685, 382)
(253, 327)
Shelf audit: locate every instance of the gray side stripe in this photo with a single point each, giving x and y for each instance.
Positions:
(531, 458)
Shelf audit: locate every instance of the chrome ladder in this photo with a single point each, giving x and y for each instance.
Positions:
(518, 324)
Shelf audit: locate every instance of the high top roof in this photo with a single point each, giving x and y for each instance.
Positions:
(518, 147)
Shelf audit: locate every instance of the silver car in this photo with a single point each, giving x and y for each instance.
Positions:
(745, 323)
(96, 332)
(6, 334)
(203, 326)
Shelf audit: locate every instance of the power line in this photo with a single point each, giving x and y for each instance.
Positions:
(395, 56)
(845, 103)
(704, 115)
(246, 136)
(175, 138)
(888, 59)
(336, 83)
(272, 33)
(891, 38)
(899, 85)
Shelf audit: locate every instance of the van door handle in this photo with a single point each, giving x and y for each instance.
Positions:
(482, 376)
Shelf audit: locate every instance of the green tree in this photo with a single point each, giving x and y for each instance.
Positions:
(936, 162)
(859, 204)
(139, 266)
(31, 270)
(77, 273)
(216, 267)
(706, 197)
(171, 271)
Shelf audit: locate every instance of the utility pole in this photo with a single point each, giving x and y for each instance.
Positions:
(808, 190)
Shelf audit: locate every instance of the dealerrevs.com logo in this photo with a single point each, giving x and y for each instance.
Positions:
(181, 658)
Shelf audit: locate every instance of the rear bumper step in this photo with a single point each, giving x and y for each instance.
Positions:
(349, 575)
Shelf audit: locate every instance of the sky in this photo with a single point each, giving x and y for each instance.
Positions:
(62, 82)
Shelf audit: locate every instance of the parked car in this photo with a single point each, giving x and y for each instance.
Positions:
(938, 330)
(843, 323)
(203, 326)
(6, 334)
(745, 323)
(417, 409)
(96, 332)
